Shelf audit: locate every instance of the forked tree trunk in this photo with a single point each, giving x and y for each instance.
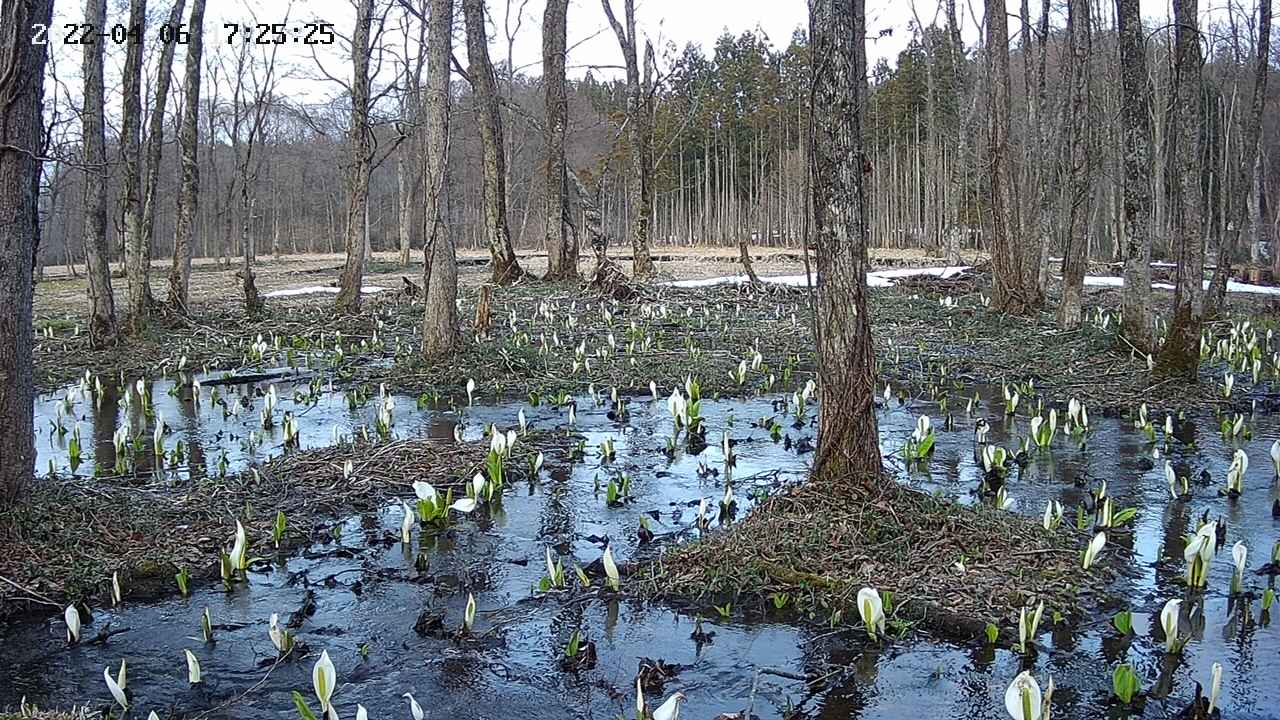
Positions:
(1243, 177)
(22, 87)
(506, 269)
(1135, 111)
(359, 157)
(136, 257)
(189, 189)
(849, 443)
(103, 330)
(440, 333)
(155, 143)
(1180, 355)
(639, 120)
(1080, 127)
(562, 248)
(1016, 271)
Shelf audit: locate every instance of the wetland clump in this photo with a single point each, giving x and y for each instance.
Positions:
(949, 568)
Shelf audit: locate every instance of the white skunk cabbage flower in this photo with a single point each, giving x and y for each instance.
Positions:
(521, 421)
(639, 699)
(669, 710)
(279, 637)
(406, 525)
(653, 389)
(477, 485)
(1215, 686)
(1095, 547)
(72, 618)
(238, 547)
(471, 390)
(193, 668)
(1023, 698)
(871, 610)
(361, 713)
(1169, 623)
(469, 615)
(116, 686)
(1275, 456)
(414, 708)
(324, 678)
(464, 505)
(611, 569)
(425, 491)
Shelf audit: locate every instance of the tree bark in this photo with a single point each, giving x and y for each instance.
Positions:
(506, 269)
(21, 131)
(103, 330)
(136, 257)
(1241, 217)
(155, 144)
(189, 189)
(562, 248)
(404, 211)
(1080, 153)
(360, 157)
(1135, 111)
(1016, 288)
(440, 332)
(639, 119)
(1180, 355)
(849, 442)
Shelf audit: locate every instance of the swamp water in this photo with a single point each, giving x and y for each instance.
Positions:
(368, 596)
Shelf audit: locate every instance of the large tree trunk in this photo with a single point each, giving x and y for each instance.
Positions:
(1241, 217)
(136, 257)
(1181, 352)
(440, 333)
(360, 157)
(189, 189)
(1080, 154)
(1135, 111)
(22, 87)
(506, 269)
(639, 134)
(849, 442)
(102, 306)
(1016, 271)
(562, 248)
(155, 144)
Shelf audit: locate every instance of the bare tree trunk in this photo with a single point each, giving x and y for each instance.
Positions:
(1180, 354)
(1016, 283)
(136, 257)
(360, 156)
(562, 248)
(849, 442)
(1135, 109)
(103, 330)
(639, 121)
(155, 144)
(440, 332)
(21, 131)
(1080, 128)
(506, 269)
(1241, 217)
(189, 189)
(404, 214)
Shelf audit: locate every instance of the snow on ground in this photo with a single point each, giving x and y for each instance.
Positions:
(319, 290)
(878, 278)
(1232, 285)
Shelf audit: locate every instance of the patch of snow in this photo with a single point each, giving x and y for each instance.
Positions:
(1232, 285)
(319, 290)
(876, 279)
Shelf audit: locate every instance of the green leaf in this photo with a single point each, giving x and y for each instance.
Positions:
(1123, 622)
(993, 633)
(301, 704)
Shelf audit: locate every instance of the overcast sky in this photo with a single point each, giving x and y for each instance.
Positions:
(591, 41)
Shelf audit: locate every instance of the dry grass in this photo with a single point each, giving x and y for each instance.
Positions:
(821, 542)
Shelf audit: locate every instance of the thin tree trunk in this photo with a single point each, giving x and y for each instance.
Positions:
(506, 269)
(360, 156)
(849, 442)
(404, 214)
(1135, 109)
(639, 119)
(189, 189)
(1080, 153)
(1180, 354)
(440, 332)
(103, 330)
(155, 144)
(1015, 270)
(1241, 216)
(136, 257)
(21, 132)
(562, 248)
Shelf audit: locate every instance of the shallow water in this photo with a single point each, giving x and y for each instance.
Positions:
(368, 593)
